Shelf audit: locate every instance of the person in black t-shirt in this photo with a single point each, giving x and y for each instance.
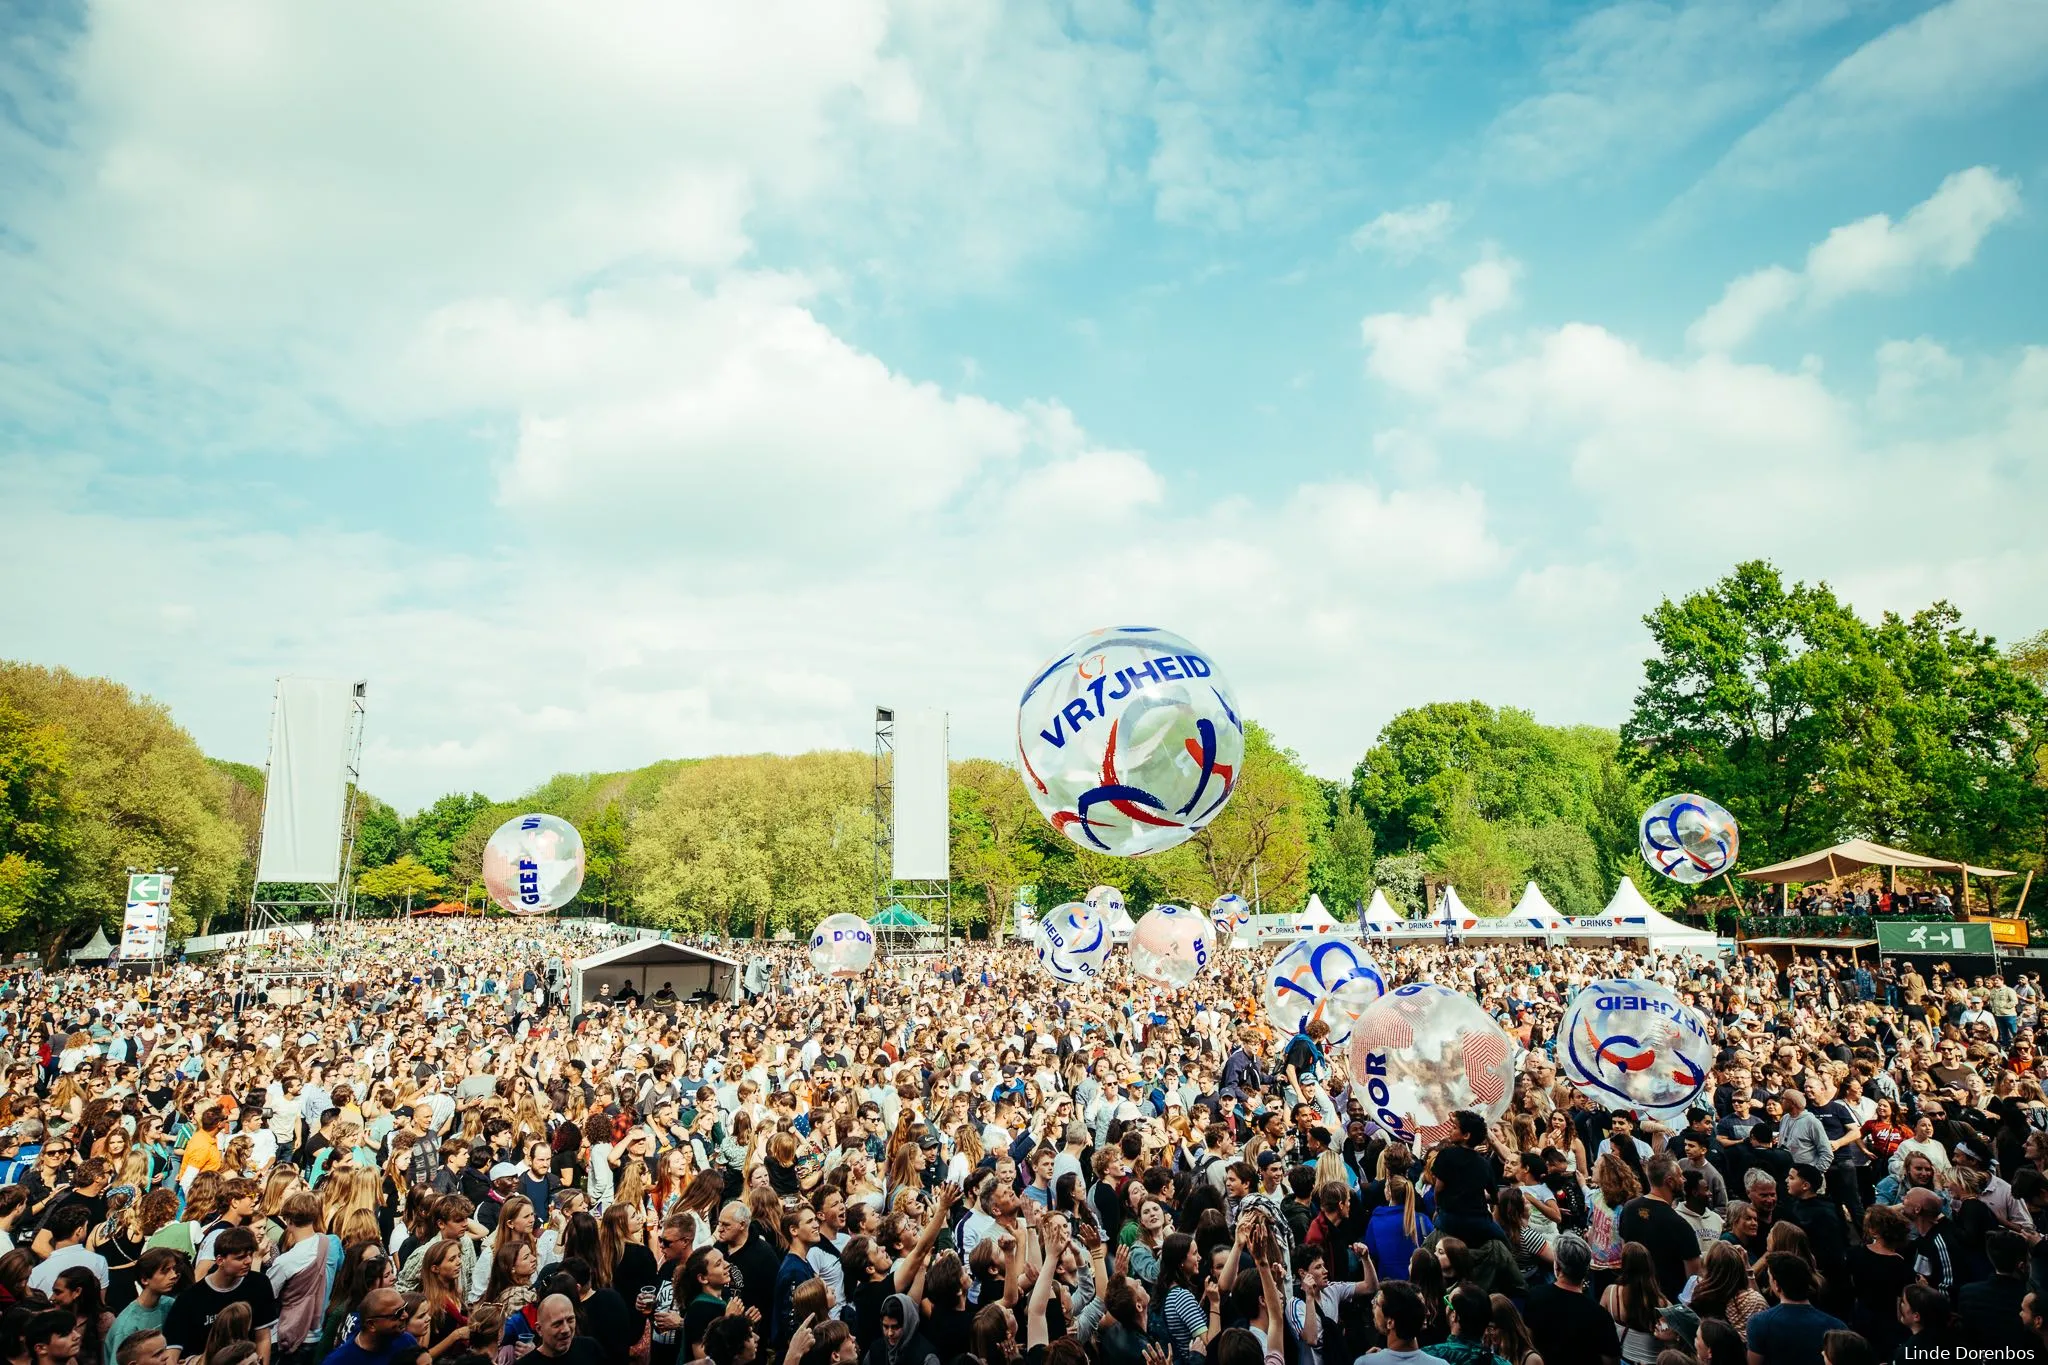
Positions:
(230, 1281)
(1565, 1321)
(1653, 1219)
(1464, 1180)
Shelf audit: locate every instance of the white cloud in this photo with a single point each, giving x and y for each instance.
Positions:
(1405, 233)
(1959, 56)
(1630, 82)
(1941, 233)
(1679, 468)
(1744, 306)
(735, 412)
(1419, 352)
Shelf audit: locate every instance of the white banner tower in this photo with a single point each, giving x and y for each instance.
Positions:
(913, 815)
(309, 828)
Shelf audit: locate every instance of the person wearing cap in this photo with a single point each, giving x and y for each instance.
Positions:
(504, 1183)
(1272, 1173)
(1676, 1328)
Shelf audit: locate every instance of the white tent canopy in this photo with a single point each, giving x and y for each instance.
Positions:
(649, 964)
(97, 949)
(1533, 910)
(1380, 913)
(1118, 922)
(1314, 918)
(1451, 912)
(1629, 907)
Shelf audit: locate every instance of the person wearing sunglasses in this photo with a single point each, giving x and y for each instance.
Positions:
(49, 1178)
(380, 1331)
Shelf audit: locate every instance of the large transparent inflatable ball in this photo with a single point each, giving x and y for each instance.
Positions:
(842, 946)
(1073, 944)
(1422, 1053)
(533, 864)
(1689, 838)
(1171, 945)
(1330, 979)
(1130, 740)
(1633, 1044)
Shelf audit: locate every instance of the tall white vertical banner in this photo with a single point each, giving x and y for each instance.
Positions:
(921, 811)
(306, 794)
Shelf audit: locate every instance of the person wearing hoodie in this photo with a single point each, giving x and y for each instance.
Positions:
(901, 1343)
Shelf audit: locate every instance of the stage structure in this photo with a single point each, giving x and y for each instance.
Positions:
(913, 824)
(309, 827)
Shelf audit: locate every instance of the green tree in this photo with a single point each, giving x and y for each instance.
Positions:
(1561, 858)
(1340, 865)
(34, 838)
(1402, 876)
(432, 835)
(398, 883)
(1435, 763)
(1811, 725)
(1967, 728)
(994, 849)
(2030, 659)
(140, 794)
(1475, 855)
(380, 833)
(1772, 701)
(1262, 840)
(763, 842)
(604, 859)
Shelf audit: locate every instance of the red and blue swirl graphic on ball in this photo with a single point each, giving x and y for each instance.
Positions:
(1333, 980)
(1634, 1045)
(1689, 838)
(1129, 740)
(1073, 943)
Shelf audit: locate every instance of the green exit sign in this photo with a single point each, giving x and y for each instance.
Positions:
(1934, 938)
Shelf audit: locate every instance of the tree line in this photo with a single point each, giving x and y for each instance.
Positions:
(1808, 722)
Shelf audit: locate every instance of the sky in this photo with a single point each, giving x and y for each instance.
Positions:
(657, 379)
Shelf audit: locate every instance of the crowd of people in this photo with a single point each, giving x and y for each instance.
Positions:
(426, 1151)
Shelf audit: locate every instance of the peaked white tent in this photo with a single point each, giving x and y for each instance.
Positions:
(95, 950)
(1629, 907)
(1451, 912)
(1628, 915)
(1315, 919)
(1534, 911)
(1666, 934)
(1380, 915)
(1118, 921)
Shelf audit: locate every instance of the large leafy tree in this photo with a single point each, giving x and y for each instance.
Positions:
(1967, 728)
(1436, 763)
(1488, 799)
(765, 843)
(1262, 841)
(995, 851)
(433, 834)
(1771, 700)
(35, 840)
(604, 860)
(1811, 725)
(138, 792)
(1340, 870)
(400, 882)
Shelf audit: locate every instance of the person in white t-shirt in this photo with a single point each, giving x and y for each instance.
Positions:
(67, 1227)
